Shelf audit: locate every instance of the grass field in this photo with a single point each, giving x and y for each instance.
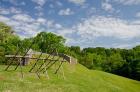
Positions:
(76, 78)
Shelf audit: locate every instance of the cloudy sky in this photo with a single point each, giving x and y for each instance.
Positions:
(87, 23)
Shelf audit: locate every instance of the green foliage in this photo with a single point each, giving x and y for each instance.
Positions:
(76, 49)
(2, 52)
(47, 41)
(8, 41)
(89, 60)
(113, 62)
(5, 32)
(124, 62)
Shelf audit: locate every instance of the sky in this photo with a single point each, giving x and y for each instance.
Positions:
(85, 23)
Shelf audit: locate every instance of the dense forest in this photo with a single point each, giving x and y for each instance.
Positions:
(124, 62)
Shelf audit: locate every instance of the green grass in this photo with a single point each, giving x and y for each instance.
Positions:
(77, 79)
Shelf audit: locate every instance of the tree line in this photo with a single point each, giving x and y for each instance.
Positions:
(124, 62)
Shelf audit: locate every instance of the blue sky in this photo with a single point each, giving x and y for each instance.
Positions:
(87, 23)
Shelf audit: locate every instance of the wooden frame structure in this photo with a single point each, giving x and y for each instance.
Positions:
(42, 68)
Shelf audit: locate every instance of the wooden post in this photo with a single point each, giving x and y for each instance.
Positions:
(63, 74)
(21, 68)
(47, 74)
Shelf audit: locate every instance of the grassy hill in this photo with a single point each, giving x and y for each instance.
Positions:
(76, 78)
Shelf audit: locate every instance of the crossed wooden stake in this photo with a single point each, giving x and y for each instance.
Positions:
(43, 67)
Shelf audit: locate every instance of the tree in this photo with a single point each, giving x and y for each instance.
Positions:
(98, 60)
(76, 49)
(48, 41)
(5, 32)
(8, 41)
(136, 51)
(113, 63)
(87, 60)
(2, 53)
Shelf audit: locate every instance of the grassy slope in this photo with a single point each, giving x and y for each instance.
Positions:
(77, 79)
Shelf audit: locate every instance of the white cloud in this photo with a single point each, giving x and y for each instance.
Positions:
(27, 26)
(58, 26)
(89, 30)
(4, 19)
(126, 45)
(123, 45)
(67, 11)
(50, 23)
(40, 2)
(138, 14)
(91, 11)
(107, 6)
(128, 2)
(40, 13)
(4, 12)
(15, 2)
(107, 27)
(41, 20)
(21, 24)
(67, 33)
(137, 22)
(39, 7)
(11, 10)
(23, 18)
(78, 2)
(83, 34)
(15, 10)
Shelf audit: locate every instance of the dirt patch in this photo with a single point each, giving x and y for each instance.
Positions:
(2, 78)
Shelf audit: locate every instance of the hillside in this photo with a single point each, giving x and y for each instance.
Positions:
(76, 78)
